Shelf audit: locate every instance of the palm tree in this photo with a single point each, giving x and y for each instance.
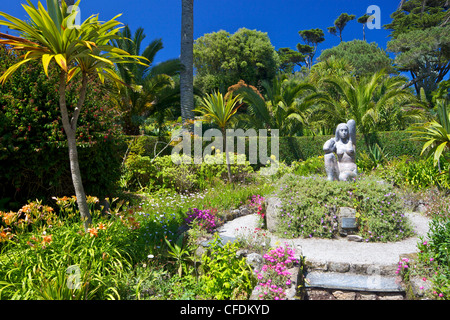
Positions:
(82, 49)
(435, 133)
(365, 100)
(219, 110)
(187, 60)
(284, 107)
(148, 86)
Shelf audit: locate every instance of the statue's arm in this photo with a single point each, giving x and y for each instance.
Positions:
(329, 146)
(351, 124)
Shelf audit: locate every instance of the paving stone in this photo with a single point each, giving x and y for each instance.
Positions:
(354, 282)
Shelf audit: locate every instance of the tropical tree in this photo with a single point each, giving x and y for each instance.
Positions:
(285, 105)
(435, 133)
(289, 59)
(420, 40)
(312, 38)
(218, 109)
(187, 61)
(222, 59)
(376, 102)
(340, 23)
(149, 87)
(366, 58)
(51, 35)
(363, 20)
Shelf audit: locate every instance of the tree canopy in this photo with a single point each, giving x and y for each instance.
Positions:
(366, 58)
(312, 38)
(340, 23)
(222, 59)
(421, 42)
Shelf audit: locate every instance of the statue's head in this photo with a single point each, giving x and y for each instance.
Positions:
(342, 131)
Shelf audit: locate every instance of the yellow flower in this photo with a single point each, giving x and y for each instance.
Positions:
(273, 157)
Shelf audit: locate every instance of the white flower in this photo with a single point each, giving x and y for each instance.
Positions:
(150, 256)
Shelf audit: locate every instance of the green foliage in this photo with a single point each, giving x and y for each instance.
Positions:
(434, 257)
(420, 39)
(225, 275)
(369, 161)
(37, 264)
(340, 23)
(33, 148)
(222, 59)
(376, 102)
(418, 175)
(309, 208)
(311, 166)
(151, 88)
(289, 59)
(312, 38)
(162, 172)
(366, 58)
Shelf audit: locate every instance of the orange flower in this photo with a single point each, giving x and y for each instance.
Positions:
(92, 231)
(47, 239)
(101, 226)
(9, 217)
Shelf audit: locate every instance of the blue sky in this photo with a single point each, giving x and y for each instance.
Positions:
(281, 19)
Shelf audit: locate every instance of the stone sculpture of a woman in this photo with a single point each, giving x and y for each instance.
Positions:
(341, 166)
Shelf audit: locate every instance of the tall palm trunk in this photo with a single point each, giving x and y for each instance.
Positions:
(227, 156)
(70, 128)
(187, 60)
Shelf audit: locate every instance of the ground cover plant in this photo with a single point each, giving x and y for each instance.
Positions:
(309, 208)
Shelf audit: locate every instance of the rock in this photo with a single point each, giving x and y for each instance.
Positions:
(340, 295)
(317, 294)
(272, 213)
(244, 211)
(367, 296)
(340, 267)
(255, 260)
(419, 286)
(241, 253)
(391, 296)
(354, 237)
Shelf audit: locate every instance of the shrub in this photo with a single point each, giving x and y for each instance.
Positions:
(309, 208)
(183, 175)
(33, 148)
(433, 260)
(225, 275)
(416, 174)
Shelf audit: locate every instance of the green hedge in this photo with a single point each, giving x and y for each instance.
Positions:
(395, 144)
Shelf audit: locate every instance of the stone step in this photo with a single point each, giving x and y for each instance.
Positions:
(352, 282)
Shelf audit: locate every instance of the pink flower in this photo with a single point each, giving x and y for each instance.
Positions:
(424, 279)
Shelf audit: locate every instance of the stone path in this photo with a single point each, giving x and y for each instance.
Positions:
(342, 269)
(338, 250)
